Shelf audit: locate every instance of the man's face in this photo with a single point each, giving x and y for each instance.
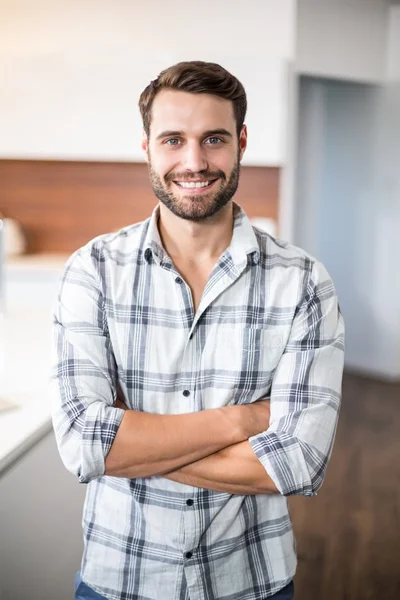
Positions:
(193, 153)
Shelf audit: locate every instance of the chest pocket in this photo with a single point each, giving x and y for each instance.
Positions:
(242, 360)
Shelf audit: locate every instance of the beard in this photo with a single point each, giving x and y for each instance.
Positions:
(195, 207)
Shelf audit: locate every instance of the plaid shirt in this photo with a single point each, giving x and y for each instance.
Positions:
(268, 324)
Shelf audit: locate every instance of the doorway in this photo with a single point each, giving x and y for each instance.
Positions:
(338, 209)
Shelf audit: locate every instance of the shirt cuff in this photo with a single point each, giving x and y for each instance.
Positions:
(98, 434)
(282, 456)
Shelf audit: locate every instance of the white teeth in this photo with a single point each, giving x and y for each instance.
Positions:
(193, 184)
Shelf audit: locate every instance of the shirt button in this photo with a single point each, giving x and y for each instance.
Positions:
(186, 393)
(189, 554)
(178, 280)
(147, 254)
(189, 502)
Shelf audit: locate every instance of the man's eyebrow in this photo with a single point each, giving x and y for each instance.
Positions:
(217, 132)
(164, 134)
(224, 132)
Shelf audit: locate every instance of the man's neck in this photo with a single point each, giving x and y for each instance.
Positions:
(196, 243)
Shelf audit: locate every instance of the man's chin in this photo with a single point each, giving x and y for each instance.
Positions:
(190, 214)
(191, 208)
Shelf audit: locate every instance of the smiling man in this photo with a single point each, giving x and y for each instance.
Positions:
(221, 151)
(169, 336)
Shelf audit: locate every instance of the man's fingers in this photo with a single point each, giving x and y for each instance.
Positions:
(120, 404)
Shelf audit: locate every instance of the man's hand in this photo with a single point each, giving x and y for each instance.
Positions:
(255, 416)
(119, 403)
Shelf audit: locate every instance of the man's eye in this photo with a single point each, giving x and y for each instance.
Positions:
(214, 140)
(174, 141)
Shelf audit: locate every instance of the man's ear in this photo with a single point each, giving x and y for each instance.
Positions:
(243, 141)
(145, 145)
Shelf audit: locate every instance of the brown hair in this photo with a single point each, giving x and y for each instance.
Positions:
(197, 77)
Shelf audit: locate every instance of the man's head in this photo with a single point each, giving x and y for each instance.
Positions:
(194, 134)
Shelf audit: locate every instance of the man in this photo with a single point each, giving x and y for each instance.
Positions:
(170, 334)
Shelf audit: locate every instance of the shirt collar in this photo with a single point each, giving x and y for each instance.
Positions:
(243, 248)
(153, 247)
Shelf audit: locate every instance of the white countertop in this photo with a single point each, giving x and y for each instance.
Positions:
(42, 261)
(25, 348)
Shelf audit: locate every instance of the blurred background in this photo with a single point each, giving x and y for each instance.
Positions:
(322, 170)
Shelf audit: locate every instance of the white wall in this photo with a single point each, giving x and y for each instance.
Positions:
(387, 191)
(346, 217)
(385, 294)
(340, 39)
(393, 45)
(309, 155)
(72, 72)
(344, 39)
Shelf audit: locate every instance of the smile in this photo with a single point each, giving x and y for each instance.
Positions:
(195, 185)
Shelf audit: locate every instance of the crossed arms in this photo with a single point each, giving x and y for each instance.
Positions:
(208, 449)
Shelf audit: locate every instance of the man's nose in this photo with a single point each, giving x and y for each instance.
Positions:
(194, 158)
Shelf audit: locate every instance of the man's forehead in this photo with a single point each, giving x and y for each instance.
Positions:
(178, 110)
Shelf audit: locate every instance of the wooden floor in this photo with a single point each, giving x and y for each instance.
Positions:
(348, 536)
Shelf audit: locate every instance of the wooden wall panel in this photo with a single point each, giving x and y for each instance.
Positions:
(62, 205)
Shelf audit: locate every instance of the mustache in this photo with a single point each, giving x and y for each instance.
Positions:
(205, 176)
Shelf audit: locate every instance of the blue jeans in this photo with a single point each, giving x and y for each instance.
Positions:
(84, 592)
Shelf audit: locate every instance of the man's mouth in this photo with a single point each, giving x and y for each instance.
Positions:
(195, 185)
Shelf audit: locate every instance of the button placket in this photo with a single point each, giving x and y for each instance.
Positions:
(190, 517)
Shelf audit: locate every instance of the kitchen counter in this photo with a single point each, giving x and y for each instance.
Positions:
(25, 349)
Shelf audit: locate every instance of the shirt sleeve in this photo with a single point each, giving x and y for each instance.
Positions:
(306, 392)
(83, 379)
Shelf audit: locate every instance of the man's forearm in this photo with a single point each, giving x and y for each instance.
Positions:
(148, 444)
(235, 470)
